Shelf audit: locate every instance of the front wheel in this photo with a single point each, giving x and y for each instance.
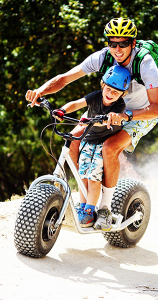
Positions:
(34, 233)
(130, 196)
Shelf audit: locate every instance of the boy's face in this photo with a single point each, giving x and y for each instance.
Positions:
(120, 54)
(110, 95)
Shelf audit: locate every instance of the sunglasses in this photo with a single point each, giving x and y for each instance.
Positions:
(123, 44)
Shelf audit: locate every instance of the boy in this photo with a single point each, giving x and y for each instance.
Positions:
(114, 85)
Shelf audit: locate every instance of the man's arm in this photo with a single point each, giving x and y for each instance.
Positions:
(150, 112)
(55, 84)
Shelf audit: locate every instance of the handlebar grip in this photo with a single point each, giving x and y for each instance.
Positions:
(40, 99)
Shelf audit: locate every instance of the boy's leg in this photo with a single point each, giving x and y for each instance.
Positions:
(74, 147)
(84, 163)
(93, 192)
(82, 198)
(86, 218)
(94, 175)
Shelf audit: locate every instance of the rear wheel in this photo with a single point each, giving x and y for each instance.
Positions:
(34, 233)
(130, 196)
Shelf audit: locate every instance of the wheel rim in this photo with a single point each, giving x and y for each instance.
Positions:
(136, 205)
(49, 228)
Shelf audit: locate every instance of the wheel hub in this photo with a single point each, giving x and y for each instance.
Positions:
(136, 205)
(51, 226)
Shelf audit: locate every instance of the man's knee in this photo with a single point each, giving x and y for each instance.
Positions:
(114, 145)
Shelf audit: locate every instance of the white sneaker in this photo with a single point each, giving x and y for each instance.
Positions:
(104, 219)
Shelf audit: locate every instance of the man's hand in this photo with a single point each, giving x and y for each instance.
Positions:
(116, 119)
(33, 96)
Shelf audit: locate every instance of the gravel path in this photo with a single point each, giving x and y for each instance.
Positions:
(79, 266)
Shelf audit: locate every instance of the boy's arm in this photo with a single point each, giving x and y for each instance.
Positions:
(69, 107)
(74, 105)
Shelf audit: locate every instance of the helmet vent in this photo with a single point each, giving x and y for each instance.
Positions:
(115, 23)
(124, 24)
(123, 27)
(130, 26)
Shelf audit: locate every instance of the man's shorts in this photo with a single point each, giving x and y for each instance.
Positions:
(91, 161)
(137, 129)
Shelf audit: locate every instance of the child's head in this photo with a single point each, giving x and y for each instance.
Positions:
(118, 79)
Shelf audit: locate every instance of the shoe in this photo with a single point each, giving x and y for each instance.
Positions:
(86, 218)
(104, 219)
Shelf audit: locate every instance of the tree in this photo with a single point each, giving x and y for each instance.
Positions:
(38, 40)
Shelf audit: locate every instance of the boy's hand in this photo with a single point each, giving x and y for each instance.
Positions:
(84, 120)
(59, 113)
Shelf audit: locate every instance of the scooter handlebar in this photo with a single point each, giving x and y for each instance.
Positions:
(91, 121)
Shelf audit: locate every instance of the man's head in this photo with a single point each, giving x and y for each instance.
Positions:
(121, 34)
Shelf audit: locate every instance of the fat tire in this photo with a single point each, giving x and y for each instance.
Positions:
(129, 195)
(40, 204)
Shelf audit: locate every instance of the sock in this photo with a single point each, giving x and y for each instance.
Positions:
(89, 206)
(107, 194)
(82, 205)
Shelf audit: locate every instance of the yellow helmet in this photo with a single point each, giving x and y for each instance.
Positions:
(121, 27)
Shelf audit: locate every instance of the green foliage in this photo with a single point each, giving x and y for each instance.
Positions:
(39, 40)
(73, 184)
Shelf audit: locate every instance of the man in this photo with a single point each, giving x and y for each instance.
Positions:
(141, 103)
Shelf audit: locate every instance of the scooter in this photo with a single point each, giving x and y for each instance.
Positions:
(49, 201)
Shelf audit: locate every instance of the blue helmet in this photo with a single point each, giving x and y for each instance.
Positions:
(118, 78)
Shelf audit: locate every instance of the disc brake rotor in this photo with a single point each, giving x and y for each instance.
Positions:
(136, 205)
(51, 228)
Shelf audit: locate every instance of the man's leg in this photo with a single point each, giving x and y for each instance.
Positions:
(112, 147)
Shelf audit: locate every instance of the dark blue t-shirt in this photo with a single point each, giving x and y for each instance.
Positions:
(98, 134)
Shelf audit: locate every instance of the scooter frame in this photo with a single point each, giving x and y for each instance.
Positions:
(56, 178)
(48, 204)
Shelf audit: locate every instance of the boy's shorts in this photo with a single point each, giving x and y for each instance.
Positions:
(137, 129)
(91, 161)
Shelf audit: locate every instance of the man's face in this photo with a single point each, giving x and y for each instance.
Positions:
(120, 54)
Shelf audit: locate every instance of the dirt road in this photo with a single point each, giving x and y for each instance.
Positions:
(79, 266)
